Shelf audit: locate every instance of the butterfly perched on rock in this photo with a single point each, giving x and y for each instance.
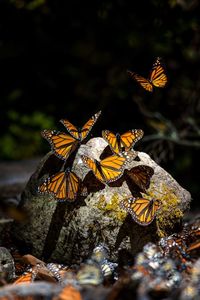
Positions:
(63, 185)
(157, 78)
(141, 175)
(142, 210)
(63, 144)
(108, 169)
(124, 142)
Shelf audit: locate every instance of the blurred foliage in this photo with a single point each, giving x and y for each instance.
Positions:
(61, 59)
(22, 139)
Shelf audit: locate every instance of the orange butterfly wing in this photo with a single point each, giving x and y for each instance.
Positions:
(158, 77)
(25, 278)
(73, 182)
(111, 139)
(63, 185)
(108, 169)
(69, 293)
(71, 129)
(62, 144)
(88, 126)
(129, 138)
(141, 175)
(112, 167)
(91, 164)
(145, 83)
(56, 185)
(143, 211)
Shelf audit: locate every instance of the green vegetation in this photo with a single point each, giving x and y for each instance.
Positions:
(23, 134)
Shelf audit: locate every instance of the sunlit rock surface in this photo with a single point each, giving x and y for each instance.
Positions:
(68, 232)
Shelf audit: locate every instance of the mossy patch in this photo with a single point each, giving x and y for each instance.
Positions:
(112, 208)
(169, 213)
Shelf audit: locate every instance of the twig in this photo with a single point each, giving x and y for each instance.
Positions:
(153, 137)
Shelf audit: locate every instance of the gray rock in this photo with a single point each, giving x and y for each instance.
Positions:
(7, 268)
(68, 232)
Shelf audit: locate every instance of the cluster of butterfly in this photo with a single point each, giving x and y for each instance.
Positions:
(29, 269)
(66, 185)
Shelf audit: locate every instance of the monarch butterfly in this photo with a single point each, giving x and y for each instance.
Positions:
(141, 175)
(106, 170)
(124, 142)
(63, 185)
(63, 144)
(142, 210)
(81, 134)
(27, 277)
(157, 77)
(56, 270)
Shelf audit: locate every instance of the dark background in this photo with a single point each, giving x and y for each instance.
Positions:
(68, 59)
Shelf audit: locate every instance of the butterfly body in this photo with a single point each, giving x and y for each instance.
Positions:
(106, 170)
(157, 77)
(63, 185)
(143, 211)
(119, 144)
(124, 142)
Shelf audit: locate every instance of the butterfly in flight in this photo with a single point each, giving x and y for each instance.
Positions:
(141, 175)
(108, 169)
(63, 185)
(157, 77)
(81, 134)
(143, 211)
(124, 142)
(63, 144)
